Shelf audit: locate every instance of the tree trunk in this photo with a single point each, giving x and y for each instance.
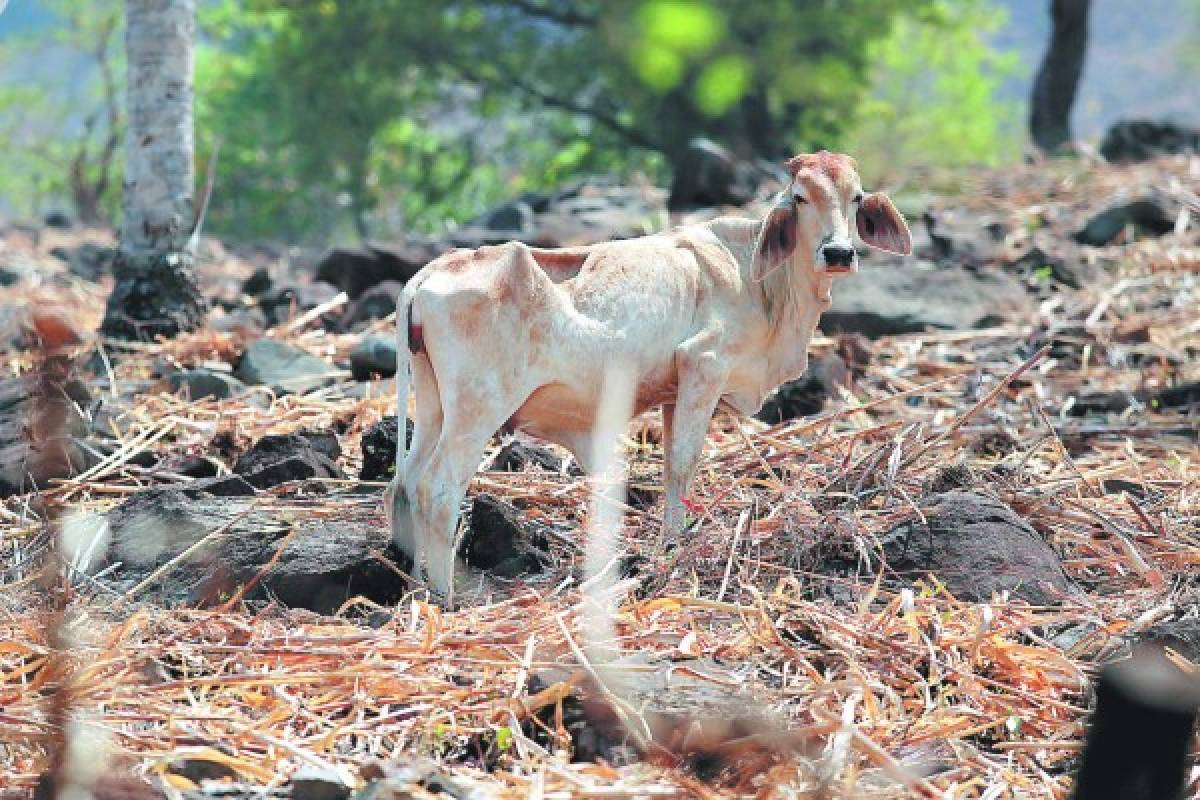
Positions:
(155, 291)
(1058, 78)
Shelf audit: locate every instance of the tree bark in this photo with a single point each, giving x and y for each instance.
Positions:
(1058, 77)
(156, 291)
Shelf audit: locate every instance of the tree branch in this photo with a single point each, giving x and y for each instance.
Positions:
(567, 16)
(629, 133)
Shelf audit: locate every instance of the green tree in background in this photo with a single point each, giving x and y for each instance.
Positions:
(341, 118)
(933, 96)
(360, 92)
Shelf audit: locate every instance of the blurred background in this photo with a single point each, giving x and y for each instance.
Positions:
(340, 120)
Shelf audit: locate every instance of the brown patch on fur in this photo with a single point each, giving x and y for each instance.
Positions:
(560, 265)
(837, 166)
(457, 260)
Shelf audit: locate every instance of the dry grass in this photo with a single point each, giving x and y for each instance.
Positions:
(873, 689)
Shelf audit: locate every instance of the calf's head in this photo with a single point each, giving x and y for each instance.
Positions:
(812, 218)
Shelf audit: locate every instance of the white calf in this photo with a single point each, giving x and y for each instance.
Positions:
(705, 314)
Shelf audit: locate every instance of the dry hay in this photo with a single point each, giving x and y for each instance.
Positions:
(875, 687)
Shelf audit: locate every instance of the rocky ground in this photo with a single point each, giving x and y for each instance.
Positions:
(985, 488)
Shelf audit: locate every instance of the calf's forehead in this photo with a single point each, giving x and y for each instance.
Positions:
(834, 171)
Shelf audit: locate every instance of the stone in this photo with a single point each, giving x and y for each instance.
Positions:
(281, 458)
(375, 303)
(373, 357)
(961, 237)
(58, 219)
(807, 394)
(282, 303)
(1185, 395)
(198, 384)
(1064, 267)
(977, 546)
(1149, 215)
(708, 176)
(517, 456)
(325, 563)
(354, 270)
(515, 217)
(315, 783)
(496, 540)
(268, 362)
(258, 283)
(1143, 139)
(379, 449)
(222, 486)
(1181, 635)
(913, 297)
(88, 261)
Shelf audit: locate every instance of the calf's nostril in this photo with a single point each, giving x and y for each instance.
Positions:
(838, 256)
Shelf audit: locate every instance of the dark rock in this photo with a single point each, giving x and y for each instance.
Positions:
(201, 383)
(379, 449)
(280, 458)
(708, 176)
(325, 563)
(1181, 635)
(258, 283)
(910, 298)
(496, 541)
(1065, 267)
(9, 277)
(284, 368)
(312, 783)
(951, 477)
(354, 271)
(515, 217)
(961, 238)
(1103, 403)
(1150, 215)
(807, 394)
(282, 303)
(593, 211)
(88, 261)
(58, 219)
(686, 711)
(373, 356)
(1143, 139)
(251, 321)
(198, 769)
(375, 303)
(977, 546)
(1183, 396)
(222, 486)
(1139, 491)
(193, 467)
(518, 456)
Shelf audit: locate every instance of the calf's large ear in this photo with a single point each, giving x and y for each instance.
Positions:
(881, 226)
(779, 236)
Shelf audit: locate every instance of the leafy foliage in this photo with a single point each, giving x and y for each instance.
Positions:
(934, 94)
(62, 138)
(339, 117)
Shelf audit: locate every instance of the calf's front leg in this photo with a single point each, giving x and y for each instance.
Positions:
(685, 424)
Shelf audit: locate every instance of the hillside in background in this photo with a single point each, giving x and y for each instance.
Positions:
(1135, 65)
